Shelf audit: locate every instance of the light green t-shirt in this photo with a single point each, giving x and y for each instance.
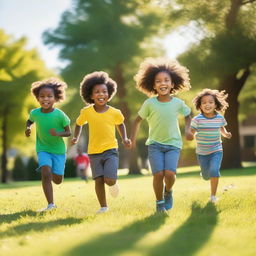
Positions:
(44, 122)
(163, 121)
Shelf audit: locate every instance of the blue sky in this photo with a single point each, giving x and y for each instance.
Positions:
(31, 18)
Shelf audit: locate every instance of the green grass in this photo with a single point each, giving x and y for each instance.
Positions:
(193, 227)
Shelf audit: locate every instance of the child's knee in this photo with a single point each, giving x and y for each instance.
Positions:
(168, 174)
(159, 175)
(109, 181)
(46, 172)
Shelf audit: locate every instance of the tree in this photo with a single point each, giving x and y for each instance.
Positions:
(18, 69)
(104, 35)
(224, 55)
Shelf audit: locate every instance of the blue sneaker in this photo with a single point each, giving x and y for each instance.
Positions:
(168, 199)
(160, 206)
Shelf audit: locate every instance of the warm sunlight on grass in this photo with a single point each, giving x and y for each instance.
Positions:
(193, 227)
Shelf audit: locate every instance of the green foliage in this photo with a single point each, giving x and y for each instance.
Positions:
(32, 165)
(19, 171)
(70, 168)
(19, 67)
(104, 35)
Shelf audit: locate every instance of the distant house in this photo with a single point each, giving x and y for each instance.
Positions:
(248, 138)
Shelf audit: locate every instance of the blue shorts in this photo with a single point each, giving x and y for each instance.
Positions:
(210, 164)
(104, 164)
(55, 161)
(163, 157)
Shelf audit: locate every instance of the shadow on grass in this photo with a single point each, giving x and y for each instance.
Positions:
(117, 242)
(8, 218)
(26, 228)
(192, 235)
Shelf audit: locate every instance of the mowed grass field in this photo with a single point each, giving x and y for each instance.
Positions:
(131, 227)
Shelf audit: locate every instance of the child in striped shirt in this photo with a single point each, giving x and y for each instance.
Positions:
(208, 127)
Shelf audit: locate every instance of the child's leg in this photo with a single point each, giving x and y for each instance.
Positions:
(214, 185)
(214, 168)
(158, 185)
(57, 179)
(100, 191)
(169, 179)
(47, 183)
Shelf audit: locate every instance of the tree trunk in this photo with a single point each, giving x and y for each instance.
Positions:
(231, 148)
(121, 93)
(4, 177)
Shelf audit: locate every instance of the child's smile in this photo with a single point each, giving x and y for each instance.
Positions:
(208, 105)
(163, 83)
(100, 94)
(46, 99)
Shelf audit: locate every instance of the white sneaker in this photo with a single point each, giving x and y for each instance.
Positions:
(214, 199)
(48, 208)
(114, 190)
(102, 210)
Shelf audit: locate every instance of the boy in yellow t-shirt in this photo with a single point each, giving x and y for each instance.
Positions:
(97, 89)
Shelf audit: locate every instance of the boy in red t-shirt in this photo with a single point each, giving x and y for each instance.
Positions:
(82, 162)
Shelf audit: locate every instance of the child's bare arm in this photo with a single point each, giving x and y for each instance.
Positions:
(122, 132)
(77, 133)
(28, 128)
(135, 130)
(225, 133)
(188, 133)
(65, 133)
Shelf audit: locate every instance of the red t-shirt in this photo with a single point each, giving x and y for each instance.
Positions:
(82, 159)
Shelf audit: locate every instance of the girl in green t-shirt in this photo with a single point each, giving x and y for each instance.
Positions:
(161, 79)
(51, 125)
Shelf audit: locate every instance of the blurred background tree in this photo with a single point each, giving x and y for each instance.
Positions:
(113, 36)
(223, 56)
(18, 69)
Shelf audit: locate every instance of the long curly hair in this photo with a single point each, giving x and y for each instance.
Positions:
(95, 78)
(219, 97)
(53, 83)
(150, 67)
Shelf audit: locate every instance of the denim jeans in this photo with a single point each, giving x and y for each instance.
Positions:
(210, 164)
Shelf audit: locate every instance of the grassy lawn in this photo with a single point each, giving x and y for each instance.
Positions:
(193, 227)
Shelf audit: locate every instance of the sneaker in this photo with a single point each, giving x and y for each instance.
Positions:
(214, 199)
(48, 208)
(160, 206)
(168, 199)
(114, 190)
(102, 210)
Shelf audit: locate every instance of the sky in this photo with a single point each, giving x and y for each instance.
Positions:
(31, 18)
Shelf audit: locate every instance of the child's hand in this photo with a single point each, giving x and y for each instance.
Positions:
(74, 141)
(28, 132)
(127, 143)
(189, 135)
(228, 135)
(53, 132)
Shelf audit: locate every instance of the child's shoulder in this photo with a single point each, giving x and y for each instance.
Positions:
(87, 108)
(114, 110)
(199, 116)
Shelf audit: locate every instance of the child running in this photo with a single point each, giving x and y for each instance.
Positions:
(51, 125)
(208, 127)
(97, 89)
(162, 79)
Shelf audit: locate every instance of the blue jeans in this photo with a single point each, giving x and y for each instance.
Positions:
(210, 164)
(163, 157)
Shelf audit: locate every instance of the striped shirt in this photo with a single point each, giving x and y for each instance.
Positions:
(208, 134)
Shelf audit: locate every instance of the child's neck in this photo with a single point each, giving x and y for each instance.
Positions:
(164, 98)
(100, 108)
(48, 110)
(209, 115)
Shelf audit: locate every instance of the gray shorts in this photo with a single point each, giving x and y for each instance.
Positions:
(104, 164)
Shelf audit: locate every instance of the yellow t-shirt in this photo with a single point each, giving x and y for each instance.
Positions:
(101, 128)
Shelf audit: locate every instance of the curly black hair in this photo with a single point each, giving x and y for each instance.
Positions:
(150, 67)
(95, 78)
(219, 98)
(55, 84)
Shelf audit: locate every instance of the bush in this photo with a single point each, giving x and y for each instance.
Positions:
(19, 171)
(70, 169)
(31, 169)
